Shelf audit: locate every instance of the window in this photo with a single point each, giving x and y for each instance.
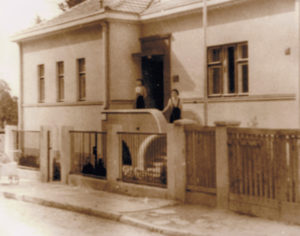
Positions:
(81, 79)
(228, 69)
(60, 81)
(41, 82)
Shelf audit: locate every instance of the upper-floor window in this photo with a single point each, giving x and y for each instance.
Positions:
(81, 79)
(60, 81)
(228, 69)
(41, 83)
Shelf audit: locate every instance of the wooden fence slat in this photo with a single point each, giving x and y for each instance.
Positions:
(200, 153)
(297, 164)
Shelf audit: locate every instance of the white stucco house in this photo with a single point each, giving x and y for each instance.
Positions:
(87, 60)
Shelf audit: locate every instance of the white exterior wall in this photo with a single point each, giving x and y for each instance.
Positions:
(270, 28)
(67, 47)
(124, 69)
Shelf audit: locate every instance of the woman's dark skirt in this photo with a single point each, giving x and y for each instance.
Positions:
(175, 115)
(140, 103)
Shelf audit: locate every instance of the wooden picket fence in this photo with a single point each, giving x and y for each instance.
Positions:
(264, 167)
(201, 159)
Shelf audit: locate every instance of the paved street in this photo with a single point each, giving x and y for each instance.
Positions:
(19, 218)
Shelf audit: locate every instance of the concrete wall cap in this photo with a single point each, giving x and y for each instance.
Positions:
(227, 123)
(158, 116)
(183, 122)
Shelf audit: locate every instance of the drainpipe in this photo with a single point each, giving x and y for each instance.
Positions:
(105, 36)
(298, 54)
(21, 99)
(204, 47)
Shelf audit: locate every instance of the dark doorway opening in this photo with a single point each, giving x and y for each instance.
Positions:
(153, 76)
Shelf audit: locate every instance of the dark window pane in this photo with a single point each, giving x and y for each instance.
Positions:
(231, 70)
(215, 55)
(244, 51)
(61, 84)
(41, 70)
(60, 68)
(82, 86)
(215, 80)
(42, 89)
(245, 78)
(81, 65)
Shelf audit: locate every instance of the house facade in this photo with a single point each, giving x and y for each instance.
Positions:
(88, 59)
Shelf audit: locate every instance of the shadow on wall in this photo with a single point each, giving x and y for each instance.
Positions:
(191, 115)
(185, 83)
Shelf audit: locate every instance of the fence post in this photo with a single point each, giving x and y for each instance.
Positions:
(222, 163)
(65, 157)
(176, 161)
(280, 157)
(44, 154)
(113, 152)
(10, 141)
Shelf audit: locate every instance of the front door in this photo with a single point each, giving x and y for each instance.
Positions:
(153, 77)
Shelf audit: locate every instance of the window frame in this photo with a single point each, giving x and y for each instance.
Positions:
(80, 81)
(41, 83)
(215, 64)
(239, 61)
(60, 75)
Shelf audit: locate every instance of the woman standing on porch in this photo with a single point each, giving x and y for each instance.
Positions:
(140, 94)
(175, 105)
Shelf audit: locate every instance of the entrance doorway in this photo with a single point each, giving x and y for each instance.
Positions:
(53, 166)
(153, 76)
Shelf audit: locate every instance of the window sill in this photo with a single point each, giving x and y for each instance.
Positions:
(228, 95)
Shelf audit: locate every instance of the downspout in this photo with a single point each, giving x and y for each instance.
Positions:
(297, 7)
(21, 99)
(204, 48)
(106, 63)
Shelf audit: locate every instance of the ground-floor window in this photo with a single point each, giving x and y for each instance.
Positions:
(60, 81)
(81, 79)
(228, 69)
(41, 82)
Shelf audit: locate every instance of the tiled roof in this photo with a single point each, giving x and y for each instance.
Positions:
(85, 8)
(93, 6)
(133, 6)
(161, 5)
(90, 7)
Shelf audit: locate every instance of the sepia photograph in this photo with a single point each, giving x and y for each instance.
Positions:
(150, 118)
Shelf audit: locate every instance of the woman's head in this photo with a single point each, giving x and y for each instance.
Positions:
(174, 93)
(139, 82)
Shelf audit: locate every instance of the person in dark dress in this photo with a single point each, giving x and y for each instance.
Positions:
(140, 95)
(175, 105)
(88, 168)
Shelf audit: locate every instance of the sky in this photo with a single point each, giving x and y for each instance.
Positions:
(16, 15)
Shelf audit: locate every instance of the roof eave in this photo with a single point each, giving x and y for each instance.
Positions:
(73, 23)
(193, 7)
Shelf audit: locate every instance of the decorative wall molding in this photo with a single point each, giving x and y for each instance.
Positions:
(64, 104)
(243, 98)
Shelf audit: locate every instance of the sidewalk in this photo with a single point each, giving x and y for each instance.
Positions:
(164, 216)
